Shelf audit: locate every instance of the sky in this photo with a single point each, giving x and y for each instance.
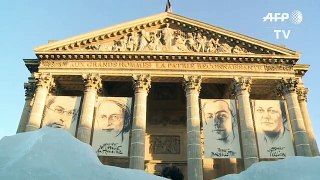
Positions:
(26, 24)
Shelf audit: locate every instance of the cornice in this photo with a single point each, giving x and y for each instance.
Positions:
(148, 56)
(300, 69)
(32, 64)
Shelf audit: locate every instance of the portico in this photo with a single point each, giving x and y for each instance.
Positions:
(166, 78)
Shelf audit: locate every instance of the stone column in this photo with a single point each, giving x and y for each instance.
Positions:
(241, 88)
(302, 98)
(92, 84)
(141, 85)
(30, 88)
(44, 83)
(192, 86)
(288, 87)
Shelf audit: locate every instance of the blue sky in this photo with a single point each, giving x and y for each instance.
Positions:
(26, 24)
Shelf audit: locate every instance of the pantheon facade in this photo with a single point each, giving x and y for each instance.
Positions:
(167, 90)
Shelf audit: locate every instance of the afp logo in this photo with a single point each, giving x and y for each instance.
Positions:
(295, 17)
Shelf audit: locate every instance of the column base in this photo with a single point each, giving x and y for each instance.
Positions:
(249, 161)
(137, 163)
(304, 150)
(195, 170)
(84, 134)
(31, 128)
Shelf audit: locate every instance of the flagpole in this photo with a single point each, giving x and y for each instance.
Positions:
(168, 7)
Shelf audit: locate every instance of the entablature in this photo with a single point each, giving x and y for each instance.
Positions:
(301, 69)
(188, 57)
(32, 64)
(164, 67)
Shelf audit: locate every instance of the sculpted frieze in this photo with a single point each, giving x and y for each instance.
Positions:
(167, 39)
(161, 144)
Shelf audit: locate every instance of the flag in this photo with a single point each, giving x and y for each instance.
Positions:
(168, 6)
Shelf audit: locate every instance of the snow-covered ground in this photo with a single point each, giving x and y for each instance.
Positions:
(294, 168)
(53, 154)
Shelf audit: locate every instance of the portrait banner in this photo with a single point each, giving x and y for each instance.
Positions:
(62, 112)
(272, 128)
(220, 127)
(111, 126)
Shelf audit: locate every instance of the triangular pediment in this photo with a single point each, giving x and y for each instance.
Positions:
(165, 33)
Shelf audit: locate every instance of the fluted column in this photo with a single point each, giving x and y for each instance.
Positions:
(302, 98)
(30, 88)
(192, 86)
(141, 85)
(288, 87)
(241, 88)
(92, 84)
(44, 83)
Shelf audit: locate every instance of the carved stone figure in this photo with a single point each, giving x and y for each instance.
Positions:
(167, 39)
(168, 35)
(134, 39)
(211, 46)
(190, 42)
(115, 46)
(238, 50)
(224, 48)
(155, 43)
(203, 44)
(179, 43)
(144, 40)
(120, 45)
(199, 42)
(130, 43)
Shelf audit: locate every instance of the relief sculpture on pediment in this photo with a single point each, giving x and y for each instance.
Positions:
(167, 39)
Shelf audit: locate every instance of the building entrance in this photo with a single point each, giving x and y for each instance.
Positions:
(166, 128)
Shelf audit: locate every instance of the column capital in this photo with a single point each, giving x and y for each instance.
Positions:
(30, 88)
(286, 86)
(92, 81)
(141, 82)
(192, 83)
(44, 80)
(241, 84)
(302, 94)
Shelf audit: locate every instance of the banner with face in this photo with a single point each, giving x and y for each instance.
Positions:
(111, 126)
(62, 112)
(272, 129)
(220, 127)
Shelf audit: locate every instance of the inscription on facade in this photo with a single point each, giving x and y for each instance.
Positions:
(160, 144)
(69, 64)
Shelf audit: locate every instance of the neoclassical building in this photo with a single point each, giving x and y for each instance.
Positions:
(176, 91)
